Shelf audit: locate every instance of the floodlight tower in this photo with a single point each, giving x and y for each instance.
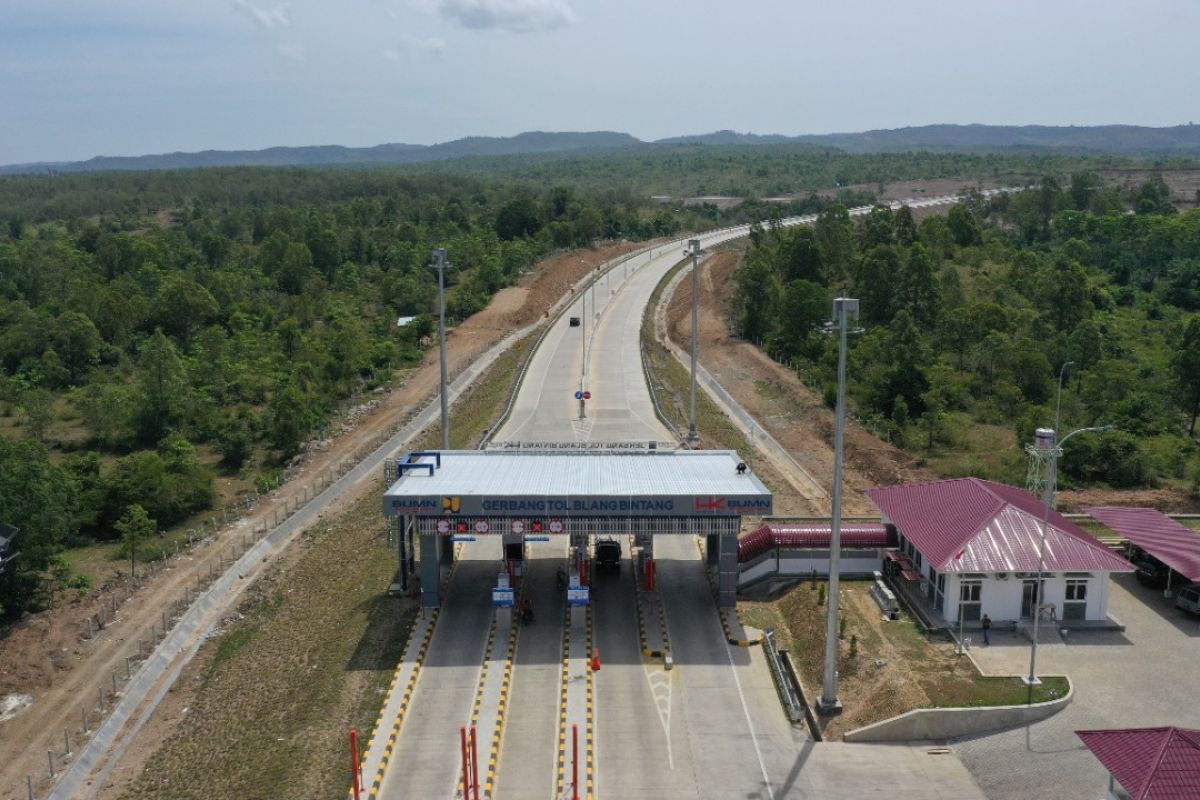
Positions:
(845, 309)
(696, 252)
(441, 263)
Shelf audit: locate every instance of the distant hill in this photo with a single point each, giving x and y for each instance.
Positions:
(1132, 140)
(334, 155)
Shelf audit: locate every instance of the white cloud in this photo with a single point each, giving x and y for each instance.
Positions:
(292, 52)
(277, 17)
(411, 48)
(517, 16)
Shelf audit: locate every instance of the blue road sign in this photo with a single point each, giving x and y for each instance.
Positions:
(579, 395)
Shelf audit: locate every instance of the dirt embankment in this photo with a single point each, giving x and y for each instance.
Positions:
(775, 396)
(798, 419)
(47, 656)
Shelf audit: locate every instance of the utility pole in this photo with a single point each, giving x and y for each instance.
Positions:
(695, 251)
(844, 308)
(441, 263)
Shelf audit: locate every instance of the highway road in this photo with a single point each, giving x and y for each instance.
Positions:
(712, 726)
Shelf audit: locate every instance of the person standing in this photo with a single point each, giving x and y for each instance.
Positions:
(986, 624)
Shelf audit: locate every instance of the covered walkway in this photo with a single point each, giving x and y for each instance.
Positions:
(1162, 537)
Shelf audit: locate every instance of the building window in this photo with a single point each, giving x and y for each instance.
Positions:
(916, 559)
(970, 600)
(1075, 606)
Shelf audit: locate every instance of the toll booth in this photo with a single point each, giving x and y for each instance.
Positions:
(446, 496)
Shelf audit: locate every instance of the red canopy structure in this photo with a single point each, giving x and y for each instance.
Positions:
(768, 537)
(1156, 533)
(1150, 763)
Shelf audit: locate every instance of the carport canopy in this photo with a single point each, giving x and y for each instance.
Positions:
(1162, 537)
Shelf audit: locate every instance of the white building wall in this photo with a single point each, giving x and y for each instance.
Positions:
(1000, 598)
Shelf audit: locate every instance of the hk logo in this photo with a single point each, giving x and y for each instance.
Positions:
(711, 504)
(451, 505)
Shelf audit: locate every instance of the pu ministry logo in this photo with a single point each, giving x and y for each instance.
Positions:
(451, 505)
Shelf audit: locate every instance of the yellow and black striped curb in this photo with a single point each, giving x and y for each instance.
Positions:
(560, 784)
(377, 783)
(502, 708)
(400, 712)
(641, 620)
(723, 613)
(479, 687)
(590, 761)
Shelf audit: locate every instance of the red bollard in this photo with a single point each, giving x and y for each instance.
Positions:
(595, 659)
(650, 570)
(474, 763)
(574, 762)
(355, 769)
(462, 733)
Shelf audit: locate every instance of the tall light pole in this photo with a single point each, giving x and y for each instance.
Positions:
(695, 251)
(1046, 447)
(583, 350)
(441, 264)
(844, 309)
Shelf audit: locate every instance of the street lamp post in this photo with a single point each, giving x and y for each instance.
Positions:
(844, 309)
(583, 350)
(1047, 448)
(695, 251)
(441, 264)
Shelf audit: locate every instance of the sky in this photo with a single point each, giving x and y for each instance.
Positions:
(80, 78)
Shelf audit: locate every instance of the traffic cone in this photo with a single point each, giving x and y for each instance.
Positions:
(595, 659)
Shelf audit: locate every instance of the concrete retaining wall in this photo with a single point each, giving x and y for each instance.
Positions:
(950, 723)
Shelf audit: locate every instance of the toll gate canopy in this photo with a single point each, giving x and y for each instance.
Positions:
(517, 494)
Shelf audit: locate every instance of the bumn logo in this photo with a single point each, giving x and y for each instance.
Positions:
(711, 504)
(451, 505)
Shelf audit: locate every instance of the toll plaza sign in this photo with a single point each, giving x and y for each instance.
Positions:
(554, 507)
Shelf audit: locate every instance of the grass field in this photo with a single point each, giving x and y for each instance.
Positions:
(897, 667)
(309, 654)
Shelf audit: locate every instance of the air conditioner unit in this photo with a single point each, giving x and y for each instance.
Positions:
(1001, 576)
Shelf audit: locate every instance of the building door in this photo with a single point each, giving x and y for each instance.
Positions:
(970, 594)
(1029, 599)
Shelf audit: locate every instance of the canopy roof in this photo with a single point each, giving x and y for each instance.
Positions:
(815, 535)
(1151, 763)
(570, 483)
(1156, 533)
(973, 525)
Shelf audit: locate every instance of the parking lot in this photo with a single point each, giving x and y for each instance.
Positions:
(1143, 677)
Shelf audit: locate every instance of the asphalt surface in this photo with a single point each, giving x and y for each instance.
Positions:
(1144, 677)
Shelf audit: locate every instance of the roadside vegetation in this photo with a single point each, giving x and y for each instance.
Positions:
(968, 320)
(885, 667)
(169, 340)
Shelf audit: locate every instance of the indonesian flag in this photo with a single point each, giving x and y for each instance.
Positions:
(958, 556)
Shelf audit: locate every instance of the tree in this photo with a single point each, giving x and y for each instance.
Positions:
(803, 307)
(963, 226)
(164, 387)
(184, 307)
(755, 282)
(1185, 369)
(134, 527)
(875, 283)
(1063, 293)
(40, 498)
(905, 226)
(835, 238)
(518, 218)
(917, 286)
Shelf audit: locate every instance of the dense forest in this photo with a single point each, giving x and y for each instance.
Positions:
(157, 330)
(969, 320)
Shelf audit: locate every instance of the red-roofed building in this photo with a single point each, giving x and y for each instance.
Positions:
(1148, 763)
(977, 543)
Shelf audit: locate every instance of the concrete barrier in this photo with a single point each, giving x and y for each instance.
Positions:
(951, 723)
